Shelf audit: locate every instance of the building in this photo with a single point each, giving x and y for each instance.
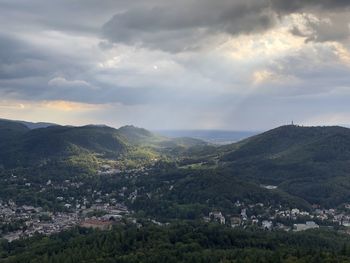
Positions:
(97, 224)
(267, 225)
(112, 217)
(308, 225)
(217, 216)
(244, 214)
(235, 221)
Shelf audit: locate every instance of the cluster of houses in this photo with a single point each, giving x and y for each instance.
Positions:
(30, 220)
(242, 221)
(27, 221)
(108, 170)
(269, 218)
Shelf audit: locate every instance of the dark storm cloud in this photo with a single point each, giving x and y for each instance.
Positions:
(68, 15)
(297, 5)
(178, 26)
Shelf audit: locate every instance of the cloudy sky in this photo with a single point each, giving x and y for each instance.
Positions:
(186, 64)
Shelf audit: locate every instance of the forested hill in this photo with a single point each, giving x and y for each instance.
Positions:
(30, 125)
(308, 162)
(10, 130)
(295, 143)
(22, 146)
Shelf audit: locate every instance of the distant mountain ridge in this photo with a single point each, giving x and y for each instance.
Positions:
(32, 125)
(22, 145)
(212, 136)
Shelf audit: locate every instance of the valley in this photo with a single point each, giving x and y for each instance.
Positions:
(55, 179)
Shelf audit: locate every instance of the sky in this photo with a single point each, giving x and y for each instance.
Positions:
(185, 64)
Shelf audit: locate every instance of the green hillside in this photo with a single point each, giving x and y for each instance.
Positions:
(309, 162)
(60, 142)
(143, 137)
(10, 130)
(22, 146)
(137, 136)
(294, 143)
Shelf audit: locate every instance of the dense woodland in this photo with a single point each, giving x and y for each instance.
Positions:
(179, 242)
